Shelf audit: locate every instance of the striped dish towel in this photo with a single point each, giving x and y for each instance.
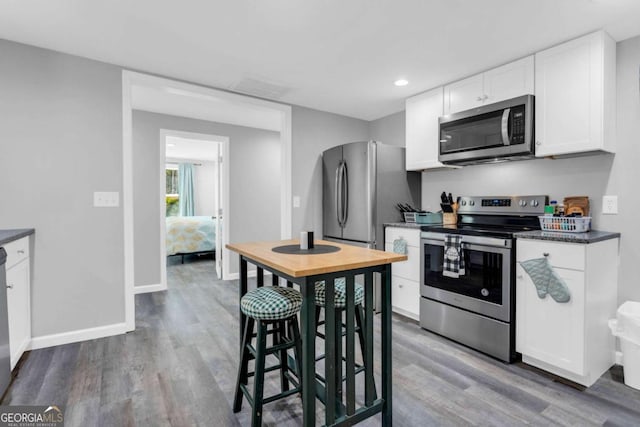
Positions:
(453, 260)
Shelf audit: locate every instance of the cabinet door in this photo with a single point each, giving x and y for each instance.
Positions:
(19, 309)
(549, 331)
(409, 269)
(569, 82)
(405, 297)
(509, 81)
(464, 94)
(422, 133)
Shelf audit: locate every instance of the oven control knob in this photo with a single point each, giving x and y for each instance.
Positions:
(534, 203)
(471, 203)
(463, 203)
(523, 203)
(484, 292)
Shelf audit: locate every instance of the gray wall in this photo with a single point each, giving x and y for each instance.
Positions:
(254, 157)
(61, 140)
(313, 132)
(389, 129)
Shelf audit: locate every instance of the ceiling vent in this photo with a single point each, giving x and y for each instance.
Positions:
(260, 88)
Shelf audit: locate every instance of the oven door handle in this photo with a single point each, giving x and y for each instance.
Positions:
(485, 242)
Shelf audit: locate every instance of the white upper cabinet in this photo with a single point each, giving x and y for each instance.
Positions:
(509, 81)
(575, 96)
(422, 133)
(505, 82)
(464, 94)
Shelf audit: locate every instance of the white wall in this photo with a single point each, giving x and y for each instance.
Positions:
(206, 188)
(61, 140)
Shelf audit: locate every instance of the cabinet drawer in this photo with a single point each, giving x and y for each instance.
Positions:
(411, 235)
(409, 269)
(17, 251)
(405, 296)
(561, 255)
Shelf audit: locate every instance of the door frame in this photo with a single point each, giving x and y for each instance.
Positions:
(223, 190)
(132, 78)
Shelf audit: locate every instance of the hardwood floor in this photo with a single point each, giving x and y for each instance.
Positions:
(179, 367)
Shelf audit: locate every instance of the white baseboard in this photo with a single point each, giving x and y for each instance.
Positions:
(252, 273)
(77, 336)
(144, 289)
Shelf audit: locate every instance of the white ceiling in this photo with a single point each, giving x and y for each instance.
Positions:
(191, 149)
(334, 55)
(204, 107)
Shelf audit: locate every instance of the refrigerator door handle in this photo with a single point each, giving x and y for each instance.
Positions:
(339, 193)
(345, 199)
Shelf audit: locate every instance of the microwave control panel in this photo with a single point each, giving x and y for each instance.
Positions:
(517, 125)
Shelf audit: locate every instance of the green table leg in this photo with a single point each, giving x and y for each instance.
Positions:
(308, 320)
(387, 374)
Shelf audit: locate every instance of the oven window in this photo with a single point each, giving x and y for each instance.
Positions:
(482, 278)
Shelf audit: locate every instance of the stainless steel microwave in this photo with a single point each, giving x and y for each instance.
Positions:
(491, 133)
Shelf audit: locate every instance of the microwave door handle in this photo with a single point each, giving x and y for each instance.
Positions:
(506, 140)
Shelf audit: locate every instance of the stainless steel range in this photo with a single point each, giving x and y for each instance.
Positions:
(478, 307)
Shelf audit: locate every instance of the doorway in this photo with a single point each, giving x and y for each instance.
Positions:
(206, 154)
(197, 102)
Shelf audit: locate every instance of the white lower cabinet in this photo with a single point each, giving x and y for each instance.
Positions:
(18, 297)
(572, 339)
(405, 275)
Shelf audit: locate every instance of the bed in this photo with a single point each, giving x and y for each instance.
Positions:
(188, 235)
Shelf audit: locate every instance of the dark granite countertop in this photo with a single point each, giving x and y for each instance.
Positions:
(404, 225)
(558, 236)
(8, 236)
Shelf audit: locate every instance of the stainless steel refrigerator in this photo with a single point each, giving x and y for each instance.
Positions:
(362, 182)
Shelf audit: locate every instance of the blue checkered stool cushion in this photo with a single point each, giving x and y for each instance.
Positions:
(271, 303)
(340, 293)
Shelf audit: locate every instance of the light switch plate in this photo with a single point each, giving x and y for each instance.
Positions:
(610, 205)
(296, 201)
(106, 199)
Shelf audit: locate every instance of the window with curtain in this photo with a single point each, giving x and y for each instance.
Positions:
(171, 195)
(186, 201)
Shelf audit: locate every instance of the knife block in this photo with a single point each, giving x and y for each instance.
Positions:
(450, 218)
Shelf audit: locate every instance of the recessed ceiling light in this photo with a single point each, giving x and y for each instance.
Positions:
(401, 82)
(170, 144)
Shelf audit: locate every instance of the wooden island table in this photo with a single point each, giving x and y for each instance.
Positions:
(305, 269)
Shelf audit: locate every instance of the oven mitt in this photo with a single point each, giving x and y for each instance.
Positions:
(546, 280)
(400, 246)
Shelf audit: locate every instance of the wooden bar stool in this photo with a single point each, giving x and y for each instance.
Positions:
(340, 298)
(275, 310)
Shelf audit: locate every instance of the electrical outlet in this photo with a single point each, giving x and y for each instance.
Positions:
(296, 201)
(610, 205)
(106, 199)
